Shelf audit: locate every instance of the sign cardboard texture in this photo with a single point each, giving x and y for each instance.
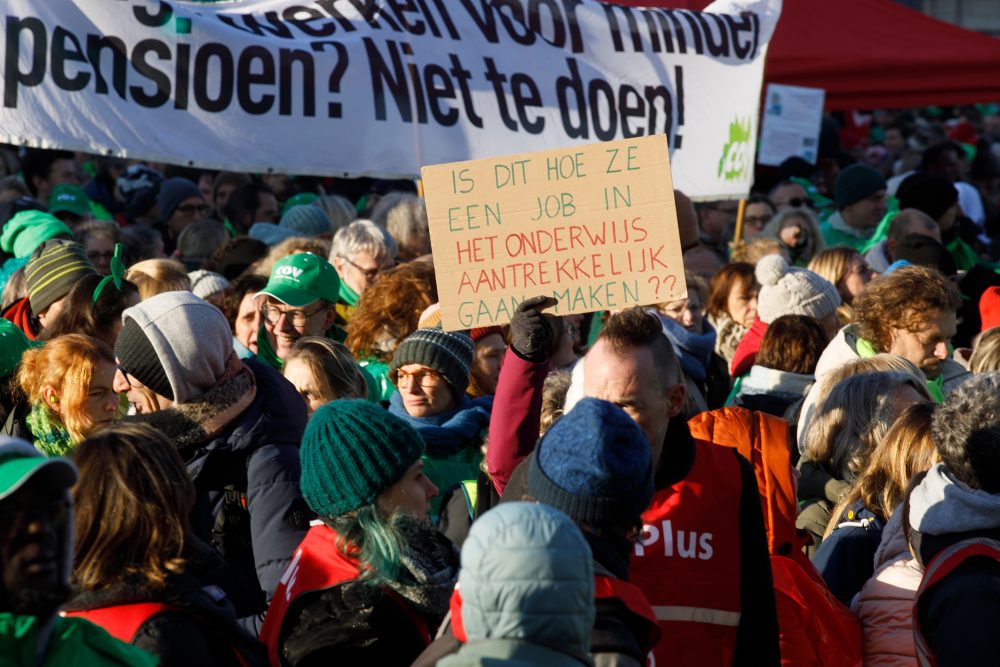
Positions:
(593, 226)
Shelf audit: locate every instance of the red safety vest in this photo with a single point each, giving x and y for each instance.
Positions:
(604, 588)
(317, 565)
(941, 566)
(122, 621)
(688, 561)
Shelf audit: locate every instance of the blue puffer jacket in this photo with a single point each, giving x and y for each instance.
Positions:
(527, 586)
(245, 433)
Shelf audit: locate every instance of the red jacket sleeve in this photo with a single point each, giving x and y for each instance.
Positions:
(517, 411)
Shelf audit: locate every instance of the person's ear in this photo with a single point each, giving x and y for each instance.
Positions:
(331, 315)
(51, 398)
(675, 399)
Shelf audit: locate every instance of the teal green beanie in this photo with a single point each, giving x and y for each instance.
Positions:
(29, 229)
(352, 451)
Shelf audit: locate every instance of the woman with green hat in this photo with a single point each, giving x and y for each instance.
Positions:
(372, 580)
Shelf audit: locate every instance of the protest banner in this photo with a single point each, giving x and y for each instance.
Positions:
(593, 226)
(358, 87)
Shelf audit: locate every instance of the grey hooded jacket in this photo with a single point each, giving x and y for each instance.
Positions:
(527, 585)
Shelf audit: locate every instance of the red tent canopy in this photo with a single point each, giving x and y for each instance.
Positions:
(874, 54)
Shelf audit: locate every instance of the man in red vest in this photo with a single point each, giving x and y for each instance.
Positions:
(702, 560)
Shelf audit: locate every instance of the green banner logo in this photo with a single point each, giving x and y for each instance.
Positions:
(735, 161)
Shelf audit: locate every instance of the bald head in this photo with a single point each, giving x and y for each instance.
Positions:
(912, 221)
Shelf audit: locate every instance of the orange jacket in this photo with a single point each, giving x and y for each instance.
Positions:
(816, 629)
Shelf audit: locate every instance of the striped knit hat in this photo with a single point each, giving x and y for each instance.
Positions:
(54, 268)
(448, 353)
(351, 452)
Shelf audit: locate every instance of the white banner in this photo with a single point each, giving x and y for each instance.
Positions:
(383, 87)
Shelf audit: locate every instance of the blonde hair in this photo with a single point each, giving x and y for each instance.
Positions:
(332, 367)
(67, 365)
(906, 449)
(853, 418)
(757, 249)
(339, 209)
(291, 246)
(156, 276)
(834, 264)
(986, 355)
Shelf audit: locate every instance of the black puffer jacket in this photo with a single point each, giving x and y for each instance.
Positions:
(245, 433)
(201, 629)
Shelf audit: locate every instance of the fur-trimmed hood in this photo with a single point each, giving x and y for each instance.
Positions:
(251, 406)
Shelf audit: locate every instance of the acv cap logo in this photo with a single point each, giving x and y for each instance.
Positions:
(288, 272)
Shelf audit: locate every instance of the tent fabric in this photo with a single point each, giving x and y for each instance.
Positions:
(874, 54)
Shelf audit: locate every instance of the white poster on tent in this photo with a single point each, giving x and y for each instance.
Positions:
(373, 88)
(792, 118)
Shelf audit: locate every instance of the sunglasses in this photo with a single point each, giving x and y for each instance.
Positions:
(799, 202)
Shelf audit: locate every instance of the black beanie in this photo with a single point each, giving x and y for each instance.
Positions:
(137, 357)
(928, 193)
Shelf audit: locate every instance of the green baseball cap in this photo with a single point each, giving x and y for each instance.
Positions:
(13, 344)
(70, 198)
(21, 463)
(298, 280)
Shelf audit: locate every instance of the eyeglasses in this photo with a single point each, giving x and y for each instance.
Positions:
(798, 202)
(298, 318)
(369, 274)
(425, 378)
(194, 209)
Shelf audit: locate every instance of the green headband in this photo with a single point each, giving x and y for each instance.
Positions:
(116, 275)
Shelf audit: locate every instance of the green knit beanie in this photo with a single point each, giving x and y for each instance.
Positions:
(29, 229)
(351, 452)
(54, 268)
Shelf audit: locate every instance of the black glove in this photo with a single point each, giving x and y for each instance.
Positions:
(531, 335)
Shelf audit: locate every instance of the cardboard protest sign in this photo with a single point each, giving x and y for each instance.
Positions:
(363, 88)
(593, 226)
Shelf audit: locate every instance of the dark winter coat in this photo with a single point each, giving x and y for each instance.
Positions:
(245, 432)
(846, 558)
(202, 630)
(957, 614)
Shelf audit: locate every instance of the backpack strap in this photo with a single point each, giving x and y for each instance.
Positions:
(943, 564)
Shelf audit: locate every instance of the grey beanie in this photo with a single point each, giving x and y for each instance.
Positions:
(307, 220)
(786, 290)
(191, 338)
(449, 353)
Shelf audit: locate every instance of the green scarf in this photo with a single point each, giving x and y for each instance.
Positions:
(347, 295)
(50, 438)
(265, 352)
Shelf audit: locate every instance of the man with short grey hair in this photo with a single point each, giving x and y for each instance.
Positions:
(360, 251)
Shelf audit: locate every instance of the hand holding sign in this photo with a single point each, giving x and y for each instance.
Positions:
(532, 334)
(593, 227)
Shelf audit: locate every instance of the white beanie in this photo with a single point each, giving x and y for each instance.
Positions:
(786, 290)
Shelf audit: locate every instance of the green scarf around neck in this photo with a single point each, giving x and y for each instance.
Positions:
(347, 295)
(50, 438)
(265, 352)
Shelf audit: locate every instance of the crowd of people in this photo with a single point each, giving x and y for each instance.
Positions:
(236, 433)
